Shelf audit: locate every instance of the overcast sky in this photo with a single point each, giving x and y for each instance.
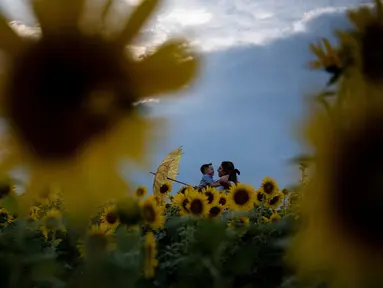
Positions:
(249, 96)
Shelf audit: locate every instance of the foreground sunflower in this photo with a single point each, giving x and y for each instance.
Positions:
(211, 194)
(152, 214)
(150, 255)
(73, 117)
(215, 210)
(341, 203)
(222, 200)
(241, 197)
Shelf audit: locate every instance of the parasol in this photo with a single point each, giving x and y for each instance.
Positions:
(168, 170)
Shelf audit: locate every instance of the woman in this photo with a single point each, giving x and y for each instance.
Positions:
(227, 176)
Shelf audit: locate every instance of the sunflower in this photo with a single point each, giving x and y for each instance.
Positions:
(241, 197)
(152, 214)
(285, 192)
(5, 218)
(150, 255)
(328, 58)
(52, 222)
(98, 239)
(128, 211)
(185, 189)
(275, 201)
(244, 221)
(341, 203)
(269, 187)
(76, 141)
(259, 197)
(198, 205)
(222, 200)
(166, 188)
(210, 193)
(181, 201)
(215, 210)
(141, 192)
(109, 217)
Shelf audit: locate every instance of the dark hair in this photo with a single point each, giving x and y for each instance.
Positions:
(230, 170)
(204, 167)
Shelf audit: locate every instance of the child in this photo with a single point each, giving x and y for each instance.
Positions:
(207, 171)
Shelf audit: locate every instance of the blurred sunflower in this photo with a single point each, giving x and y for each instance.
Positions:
(210, 193)
(241, 197)
(198, 205)
(273, 218)
(215, 210)
(128, 211)
(74, 116)
(52, 222)
(222, 200)
(5, 218)
(166, 188)
(327, 58)
(184, 189)
(244, 221)
(141, 192)
(182, 201)
(98, 239)
(275, 201)
(269, 187)
(150, 255)
(341, 203)
(260, 197)
(285, 192)
(152, 214)
(109, 217)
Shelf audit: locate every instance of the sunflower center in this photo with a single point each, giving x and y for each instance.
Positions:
(241, 197)
(222, 201)
(196, 206)
(372, 46)
(274, 200)
(210, 197)
(111, 217)
(164, 188)
(4, 217)
(268, 187)
(149, 213)
(5, 190)
(54, 110)
(140, 192)
(260, 197)
(357, 172)
(214, 211)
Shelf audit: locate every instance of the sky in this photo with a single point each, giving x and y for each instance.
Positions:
(249, 98)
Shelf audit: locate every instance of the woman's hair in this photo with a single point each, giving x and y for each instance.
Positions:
(230, 170)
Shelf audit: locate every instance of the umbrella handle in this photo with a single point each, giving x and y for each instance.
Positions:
(172, 179)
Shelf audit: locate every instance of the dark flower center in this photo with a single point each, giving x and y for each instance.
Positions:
(214, 211)
(149, 214)
(222, 201)
(372, 45)
(3, 217)
(210, 197)
(140, 192)
(274, 200)
(285, 191)
(357, 197)
(183, 190)
(196, 207)
(5, 190)
(260, 196)
(111, 217)
(185, 202)
(164, 188)
(55, 109)
(241, 197)
(268, 187)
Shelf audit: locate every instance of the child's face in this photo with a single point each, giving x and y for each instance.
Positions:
(210, 171)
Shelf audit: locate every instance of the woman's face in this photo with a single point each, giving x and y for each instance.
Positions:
(220, 171)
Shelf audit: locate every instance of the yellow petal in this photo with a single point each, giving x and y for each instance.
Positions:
(317, 50)
(328, 47)
(58, 14)
(137, 20)
(167, 70)
(10, 42)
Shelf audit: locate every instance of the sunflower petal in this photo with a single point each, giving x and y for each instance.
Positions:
(54, 15)
(137, 20)
(328, 47)
(10, 41)
(168, 69)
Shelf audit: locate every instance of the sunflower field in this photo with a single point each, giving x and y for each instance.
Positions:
(77, 115)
